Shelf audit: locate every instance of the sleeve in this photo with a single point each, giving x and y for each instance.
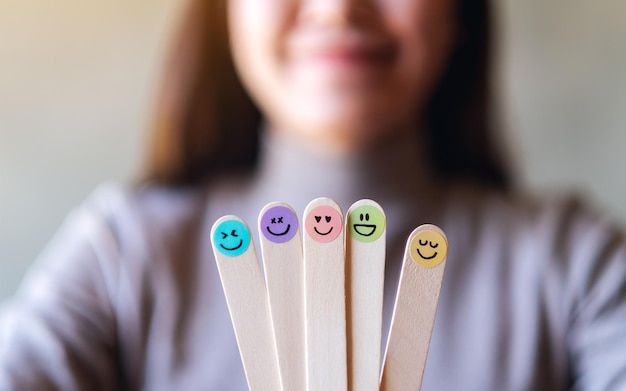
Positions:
(58, 332)
(596, 297)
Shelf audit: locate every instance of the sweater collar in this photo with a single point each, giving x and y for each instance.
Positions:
(394, 174)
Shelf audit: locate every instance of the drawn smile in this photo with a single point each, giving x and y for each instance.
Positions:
(232, 248)
(323, 234)
(279, 234)
(431, 257)
(361, 229)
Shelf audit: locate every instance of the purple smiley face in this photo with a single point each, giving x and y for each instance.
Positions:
(279, 224)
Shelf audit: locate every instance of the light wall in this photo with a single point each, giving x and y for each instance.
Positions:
(77, 81)
(563, 86)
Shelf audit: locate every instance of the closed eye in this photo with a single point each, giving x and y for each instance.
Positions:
(224, 235)
(434, 245)
(424, 243)
(234, 233)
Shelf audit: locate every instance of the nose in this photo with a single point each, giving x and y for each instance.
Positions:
(337, 13)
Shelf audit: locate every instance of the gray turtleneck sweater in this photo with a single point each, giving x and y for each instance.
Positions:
(127, 295)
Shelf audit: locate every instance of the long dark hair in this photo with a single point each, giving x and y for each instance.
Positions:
(206, 123)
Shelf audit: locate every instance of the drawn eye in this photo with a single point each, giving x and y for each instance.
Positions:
(361, 217)
(274, 220)
(425, 242)
(434, 245)
(280, 220)
(224, 235)
(234, 233)
(318, 218)
(328, 219)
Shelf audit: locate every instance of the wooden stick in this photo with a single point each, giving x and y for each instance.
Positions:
(247, 301)
(415, 309)
(281, 246)
(325, 310)
(365, 276)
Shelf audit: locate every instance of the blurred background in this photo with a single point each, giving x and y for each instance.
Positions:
(77, 83)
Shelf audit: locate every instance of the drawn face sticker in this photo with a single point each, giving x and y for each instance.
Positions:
(366, 223)
(429, 248)
(231, 238)
(279, 224)
(323, 224)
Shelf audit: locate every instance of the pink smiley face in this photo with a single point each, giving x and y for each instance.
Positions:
(323, 224)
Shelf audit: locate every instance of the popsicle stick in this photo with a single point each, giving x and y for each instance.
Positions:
(281, 247)
(415, 309)
(365, 275)
(325, 305)
(247, 301)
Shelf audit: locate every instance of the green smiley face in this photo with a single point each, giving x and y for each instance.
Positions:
(366, 223)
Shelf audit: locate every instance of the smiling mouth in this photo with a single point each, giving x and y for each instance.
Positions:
(233, 248)
(427, 258)
(323, 234)
(371, 227)
(346, 46)
(351, 54)
(282, 233)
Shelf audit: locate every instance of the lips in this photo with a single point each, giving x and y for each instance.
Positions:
(342, 49)
(350, 55)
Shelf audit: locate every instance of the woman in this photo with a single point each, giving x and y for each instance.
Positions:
(384, 99)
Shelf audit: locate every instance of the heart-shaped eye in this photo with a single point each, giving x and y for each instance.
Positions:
(434, 245)
(328, 219)
(318, 218)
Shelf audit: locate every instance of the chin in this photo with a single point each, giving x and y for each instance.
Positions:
(339, 111)
(342, 119)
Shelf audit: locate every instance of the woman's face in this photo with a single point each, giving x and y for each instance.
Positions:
(342, 74)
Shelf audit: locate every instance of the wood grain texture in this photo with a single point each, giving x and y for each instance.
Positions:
(412, 321)
(248, 304)
(284, 276)
(325, 314)
(365, 271)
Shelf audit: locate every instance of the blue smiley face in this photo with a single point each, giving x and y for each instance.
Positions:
(231, 238)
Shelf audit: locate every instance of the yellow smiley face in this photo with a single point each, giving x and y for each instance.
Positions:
(429, 247)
